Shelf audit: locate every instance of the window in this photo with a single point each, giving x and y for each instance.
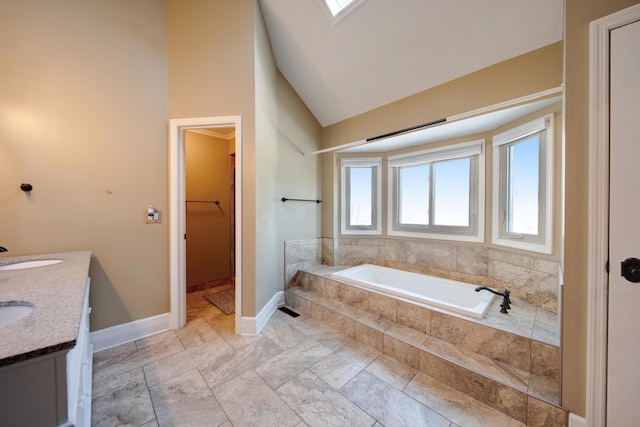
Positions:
(438, 193)
(522, 183)
(361, 195)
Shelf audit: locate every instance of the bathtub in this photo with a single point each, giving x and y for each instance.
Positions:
(450, 295)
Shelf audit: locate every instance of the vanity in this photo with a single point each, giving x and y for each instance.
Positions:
(45, 352)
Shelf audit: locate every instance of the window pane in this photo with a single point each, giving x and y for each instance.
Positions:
(523, 192)
(451, 192)
(361, 196)
(413, 194)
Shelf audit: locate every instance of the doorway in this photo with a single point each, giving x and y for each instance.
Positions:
(177, 208)
(209, 159)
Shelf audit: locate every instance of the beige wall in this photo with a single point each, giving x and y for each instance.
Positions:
(208, 179)
(83, 119)
(211, 73)
(285, 129)
(266, 163)
(298, 176)
(579, 13)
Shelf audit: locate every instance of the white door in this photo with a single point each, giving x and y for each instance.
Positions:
(623, 376)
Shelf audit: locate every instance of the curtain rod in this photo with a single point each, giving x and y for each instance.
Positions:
(454, 118)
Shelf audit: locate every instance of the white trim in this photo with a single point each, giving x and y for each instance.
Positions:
(121, 334)
(253, 325)
(177, 223)
(576, 421)
(522, 131)
(449, 152)
(598, 237)
(215, 134)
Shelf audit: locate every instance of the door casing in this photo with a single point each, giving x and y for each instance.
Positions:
(598, 235)
(177, 214)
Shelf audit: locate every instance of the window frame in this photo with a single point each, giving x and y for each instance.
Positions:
(543, 241)
(376, 197)
(474, 150)
(343, 11)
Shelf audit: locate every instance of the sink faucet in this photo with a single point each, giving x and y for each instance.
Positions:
(3, 249)
(506, 301)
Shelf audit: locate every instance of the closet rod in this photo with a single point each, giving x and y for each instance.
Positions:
(217, 202)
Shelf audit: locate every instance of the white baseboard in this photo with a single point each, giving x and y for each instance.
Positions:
(576, 421)
(253, 325)
(127, 332)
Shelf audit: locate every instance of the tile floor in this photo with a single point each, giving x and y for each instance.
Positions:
(297, 372)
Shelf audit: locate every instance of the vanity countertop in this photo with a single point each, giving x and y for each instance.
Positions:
(56, 292)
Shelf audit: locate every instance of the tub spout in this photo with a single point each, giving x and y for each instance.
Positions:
(506, 301)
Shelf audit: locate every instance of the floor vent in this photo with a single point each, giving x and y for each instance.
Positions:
(288, 311)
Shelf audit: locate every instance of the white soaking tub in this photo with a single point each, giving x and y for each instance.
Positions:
(451, 295)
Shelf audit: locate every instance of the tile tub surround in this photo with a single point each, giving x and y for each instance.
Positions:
(495, 360)
(530, 278)
(56, 292)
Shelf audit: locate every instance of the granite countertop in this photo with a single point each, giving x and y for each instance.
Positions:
(56, 292)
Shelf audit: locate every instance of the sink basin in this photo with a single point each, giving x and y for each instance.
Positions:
(29, 264)
(12, 311)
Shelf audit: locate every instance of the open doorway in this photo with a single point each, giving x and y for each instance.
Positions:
(179, 129)
(209, 216)
(210, 164)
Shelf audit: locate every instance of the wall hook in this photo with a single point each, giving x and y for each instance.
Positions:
(26, 187)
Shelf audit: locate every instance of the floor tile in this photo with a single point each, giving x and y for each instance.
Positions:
(222, 368)
(392, 372)
(154, 339)
(179, 363)
(344, 364)
(121, 400)
(283, 333)
(196, 331)
(454, 405)
(281, 368)
(261, 407)
(388, 405)
(137, 358)
(186, 400)
(319, 404)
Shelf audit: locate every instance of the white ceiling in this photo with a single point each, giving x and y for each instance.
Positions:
(389, 49)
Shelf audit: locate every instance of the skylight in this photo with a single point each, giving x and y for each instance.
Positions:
(339, 9)
(337, 6)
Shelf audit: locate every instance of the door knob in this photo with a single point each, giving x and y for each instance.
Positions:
(631, 269)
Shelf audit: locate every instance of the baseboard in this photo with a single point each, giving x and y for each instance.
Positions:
(576, 421)
(121, 334)
(253, 325)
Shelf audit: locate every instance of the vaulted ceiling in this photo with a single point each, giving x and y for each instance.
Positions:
(390, 49)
